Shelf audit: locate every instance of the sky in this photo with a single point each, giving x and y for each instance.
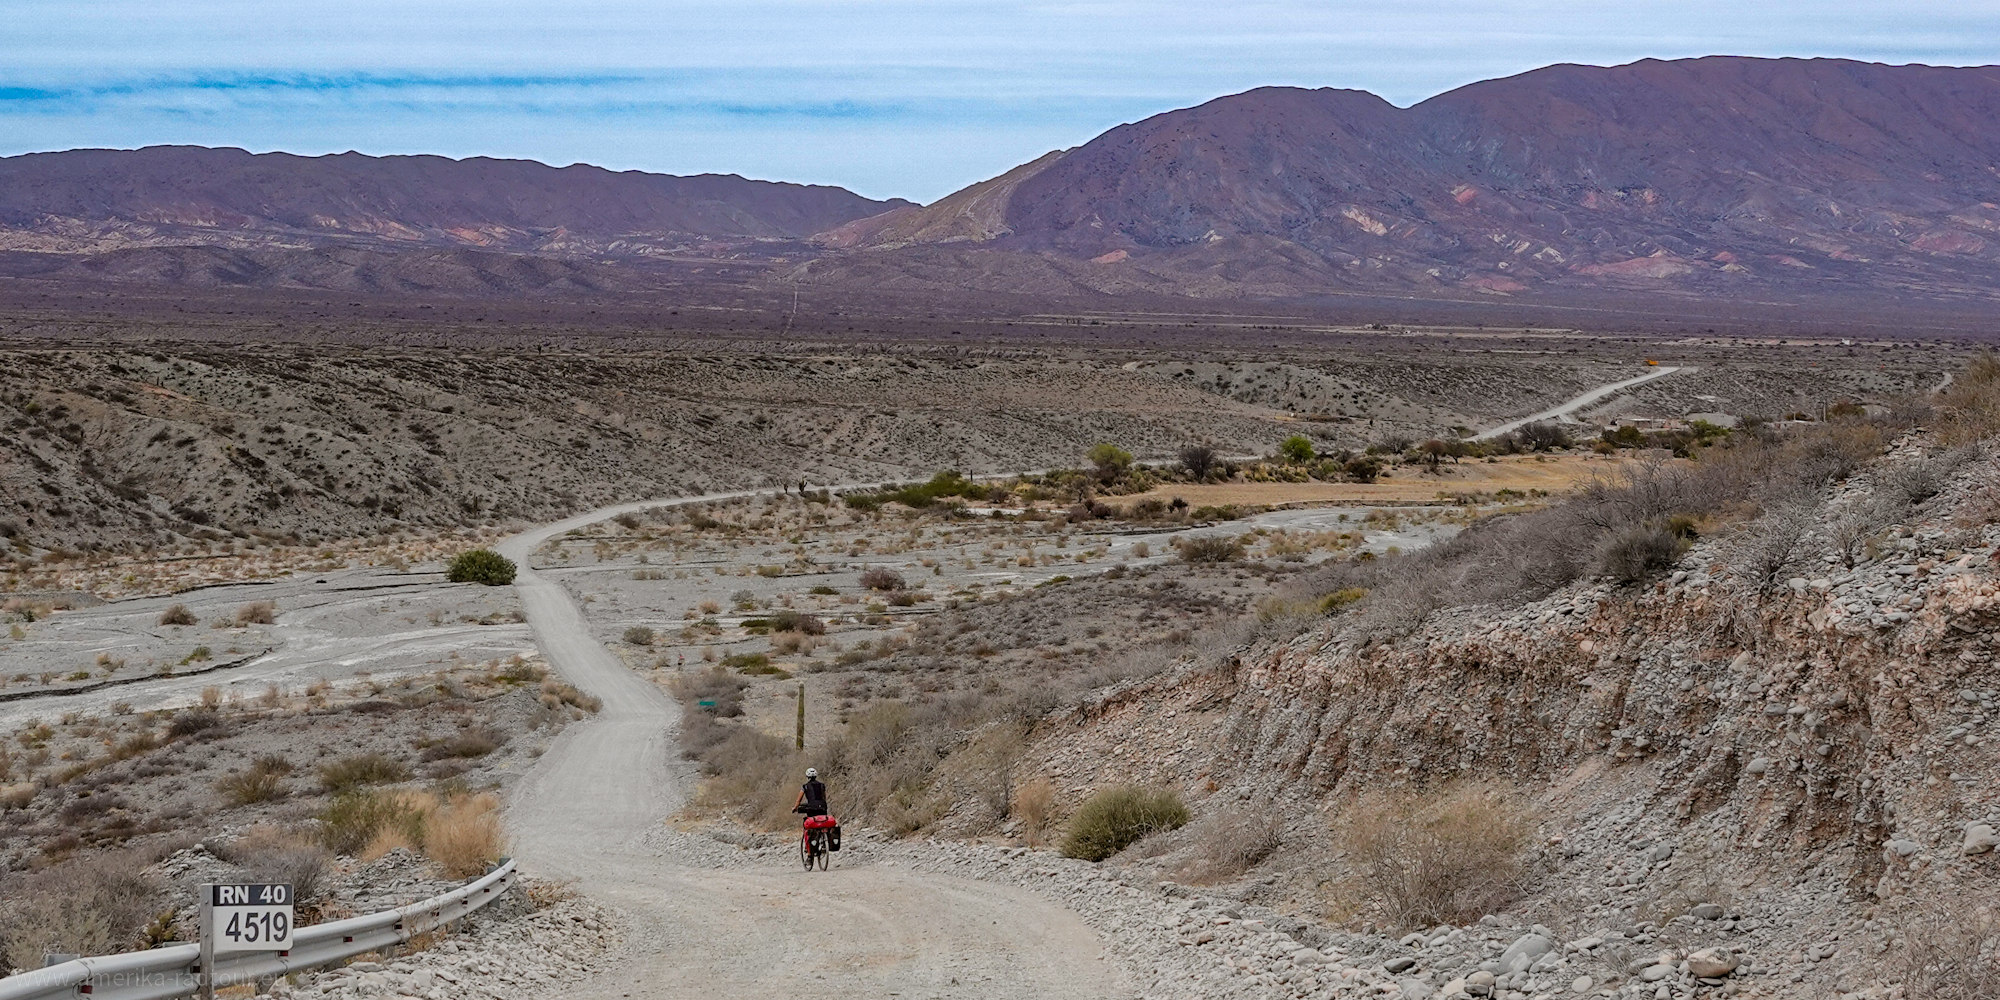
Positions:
(890, 98)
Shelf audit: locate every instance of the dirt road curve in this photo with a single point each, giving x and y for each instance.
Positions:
(1575, 404)
(871, 931)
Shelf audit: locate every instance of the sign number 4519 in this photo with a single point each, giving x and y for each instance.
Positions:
(256, 917)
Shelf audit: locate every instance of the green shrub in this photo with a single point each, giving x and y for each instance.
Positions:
(349, 773)
(481, 566)
(1117, 818)
(1297, 449)
(356, 818)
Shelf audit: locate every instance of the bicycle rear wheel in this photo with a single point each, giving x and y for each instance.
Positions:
(820, 848)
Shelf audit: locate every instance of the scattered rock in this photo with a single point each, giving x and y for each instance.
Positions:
(1708, 911)
(1712, 963)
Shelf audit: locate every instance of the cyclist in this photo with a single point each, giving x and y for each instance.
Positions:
(812, 795)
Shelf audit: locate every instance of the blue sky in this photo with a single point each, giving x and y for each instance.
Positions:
(888, 97)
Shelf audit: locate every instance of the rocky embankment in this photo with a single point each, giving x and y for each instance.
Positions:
(1818, 760)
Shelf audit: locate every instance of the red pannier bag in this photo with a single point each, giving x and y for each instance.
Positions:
(821, 822)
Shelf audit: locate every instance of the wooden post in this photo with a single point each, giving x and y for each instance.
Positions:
(801, 740)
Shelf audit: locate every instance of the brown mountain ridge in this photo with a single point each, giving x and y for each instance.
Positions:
(1814, 183)
(1705, 176)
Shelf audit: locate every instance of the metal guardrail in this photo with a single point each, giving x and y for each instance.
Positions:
(174, 971)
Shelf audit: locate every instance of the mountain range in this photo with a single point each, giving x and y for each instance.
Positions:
(1791, 179)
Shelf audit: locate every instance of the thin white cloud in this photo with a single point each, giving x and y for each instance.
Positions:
(909, 97)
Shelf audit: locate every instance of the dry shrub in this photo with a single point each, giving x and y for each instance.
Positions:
(461, 832)
(881, 578)
(17, 796)
(349, 773)
(1231, 842)
(638, 635)
(475, 742)
(177, 614)
(89, 907)
(752, 775)
(273, 854)
(1209, 549)
(262, 781)
(465, 836)
(556, 694)
(1636, 552)
(1764, 551)
(193, 721)
(1117, 818)
(257, 613)
(1034, 802)
(356, 819)
(1969, 409)
(542, 894)
(1439, 856)
(1951, 949)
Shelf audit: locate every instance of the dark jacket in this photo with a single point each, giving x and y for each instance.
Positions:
(815, 801)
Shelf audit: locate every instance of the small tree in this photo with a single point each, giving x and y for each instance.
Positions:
(1543, 436)
(1110, 461)
(481, 566)
(1197, 459)
(1297, 449)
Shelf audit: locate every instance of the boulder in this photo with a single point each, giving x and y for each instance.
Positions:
(1655, 973)
(1396, 965)
(1523, 952)
(1980, 838)
(1415, 989)
(1712, 963)
(1708, 911)
(1480, 983)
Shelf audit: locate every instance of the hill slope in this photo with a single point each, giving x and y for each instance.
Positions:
(1706, 175)
(105, 198)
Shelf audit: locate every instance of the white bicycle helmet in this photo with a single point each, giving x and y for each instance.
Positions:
(812, 772)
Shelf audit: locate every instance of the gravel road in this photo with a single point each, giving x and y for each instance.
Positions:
(586, 812)
(1574, 404)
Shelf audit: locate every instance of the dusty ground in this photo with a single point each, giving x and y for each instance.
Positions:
(1522, 476)
(273, 452)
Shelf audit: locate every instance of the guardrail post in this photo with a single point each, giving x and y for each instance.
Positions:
(207, 942)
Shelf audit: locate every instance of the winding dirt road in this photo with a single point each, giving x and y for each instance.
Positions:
(586, 811)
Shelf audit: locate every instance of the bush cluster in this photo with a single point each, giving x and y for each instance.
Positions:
(483, 566)
(1117, 818)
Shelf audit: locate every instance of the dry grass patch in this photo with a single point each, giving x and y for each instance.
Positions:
(461, 832)
(349, 773)
(1951, 949)
(1446, 855)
